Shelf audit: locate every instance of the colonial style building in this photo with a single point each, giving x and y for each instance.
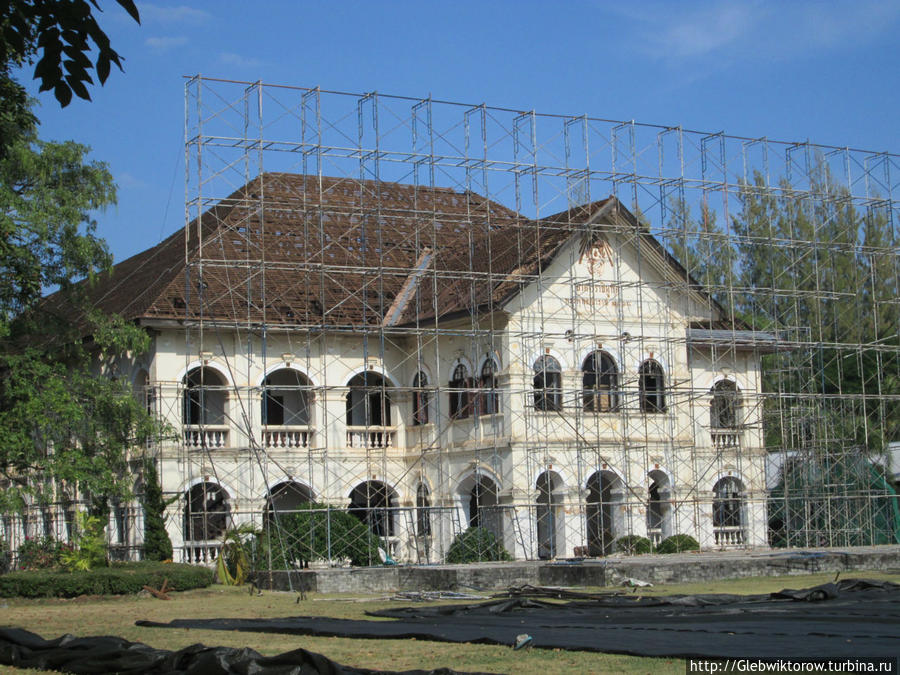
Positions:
(433, 360)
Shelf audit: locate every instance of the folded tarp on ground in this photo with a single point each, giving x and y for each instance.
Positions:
(851, 618)
(103, 655)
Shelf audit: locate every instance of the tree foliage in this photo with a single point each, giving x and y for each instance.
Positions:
(68, 417)
(59, 37)
(819, 272)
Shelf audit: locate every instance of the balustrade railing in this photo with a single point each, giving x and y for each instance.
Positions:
(725, 438)
(371, 437)
(205, 436)
(200, 552)
(287, 437)
(729, 536)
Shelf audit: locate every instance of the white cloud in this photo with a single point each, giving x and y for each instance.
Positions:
(165, 43)
(763, 29)
(232, 59)
(180, 14)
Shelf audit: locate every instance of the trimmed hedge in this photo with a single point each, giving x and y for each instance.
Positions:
(476, 544)
(633, 544)
(120, 579)
(678, 543)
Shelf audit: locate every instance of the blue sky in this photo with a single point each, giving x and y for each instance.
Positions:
(824, 71)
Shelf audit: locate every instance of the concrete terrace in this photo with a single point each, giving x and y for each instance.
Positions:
(608, 571)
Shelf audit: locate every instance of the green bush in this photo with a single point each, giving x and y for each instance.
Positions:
(678, 543)
(5, 556)
(316, 533)
(633, 544)
(476, 545)
(88, 548)
(39, 553)
(120, 579)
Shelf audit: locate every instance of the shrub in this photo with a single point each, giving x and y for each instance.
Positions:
(633, 544)
(88, 549)
(5, 556)
(678, 543)
(39, 553)
(305, 536)
(120, 579)
(157, 545)
(476, 545)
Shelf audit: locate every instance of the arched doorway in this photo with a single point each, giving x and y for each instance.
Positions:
(603, 520)
(659, 507)
(206, 512)
(369, 411)
(728, 512)
(374, 503)
(484, 510)
(548, 512)
(285, 499)
(203, 408)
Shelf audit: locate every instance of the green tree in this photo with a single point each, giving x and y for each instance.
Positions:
(68, 419)
(157, 545)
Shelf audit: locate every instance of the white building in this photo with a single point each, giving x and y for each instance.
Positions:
(436, 360)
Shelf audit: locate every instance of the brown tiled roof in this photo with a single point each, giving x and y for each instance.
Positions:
(288, 249)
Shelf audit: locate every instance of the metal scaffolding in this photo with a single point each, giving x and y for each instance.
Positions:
(748, 309)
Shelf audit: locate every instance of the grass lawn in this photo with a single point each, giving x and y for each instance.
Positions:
(116, 616)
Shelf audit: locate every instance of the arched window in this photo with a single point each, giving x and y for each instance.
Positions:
(206, 512)
(724, 408)
(653, 387)
(373, 502)
(600, 381)
(420, 399)
(204, 397)
(460, 402)
(490, 398)
(547, 384)
(368, 402)
(423, 511)
(286, 398)
(727, 503)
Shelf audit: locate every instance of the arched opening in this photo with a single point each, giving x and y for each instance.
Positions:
(284, 500)
(204, 397)
(725, 405)
(652, 387)
(286, 404)
(484, 510)
(206, 512)
(369, 411)
(420, 399)
(286, 398)
(460, 399)
(423, 511)
(489, 396)
(728, 512)
(548, 512)
(604, 496)
(659, 507)
(368, 401)
(599, 382)
(547, 384)
(373, 502)
(143, 392)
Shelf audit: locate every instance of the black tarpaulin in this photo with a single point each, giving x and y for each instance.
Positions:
(106, 654)
(850, 618)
